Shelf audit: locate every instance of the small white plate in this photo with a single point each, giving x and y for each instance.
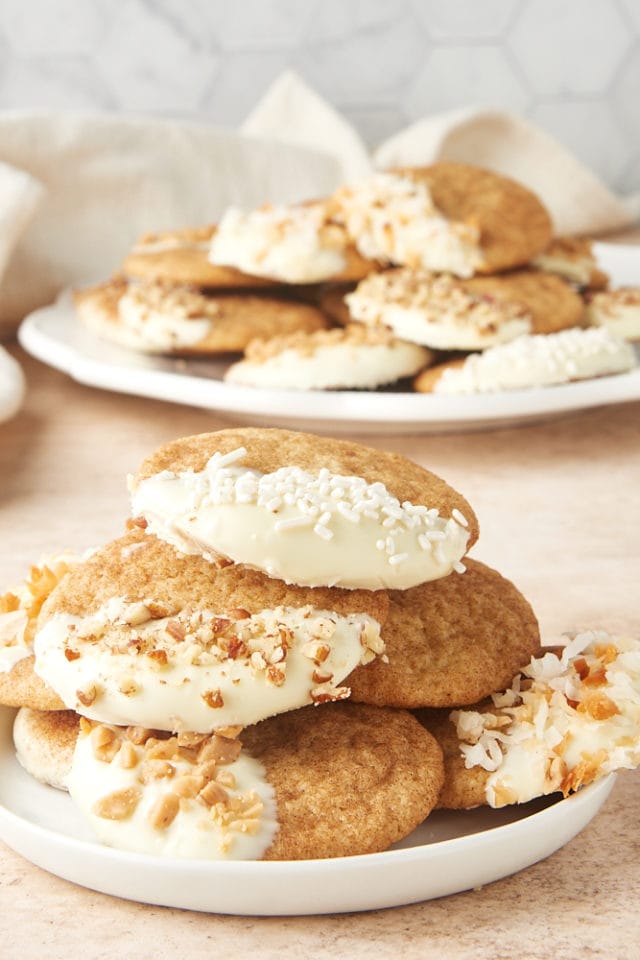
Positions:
(448, 853)
(53, 335)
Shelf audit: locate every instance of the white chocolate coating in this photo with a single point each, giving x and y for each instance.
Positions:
(341, 364)
(539, 361)
(155, 319)
(392, 218)
(198, 670)
(312, 530)
(293, 244)
(617, 310)
(241, 827)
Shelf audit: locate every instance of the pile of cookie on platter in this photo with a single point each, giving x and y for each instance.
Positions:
(444, 279)
(289, 655)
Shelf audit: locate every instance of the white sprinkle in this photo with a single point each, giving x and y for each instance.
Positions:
(293, 522)
(398, 558)
(323, 532)
(225, 459)
(424, 541)
(380, 544)
(274, 504)
(459, 567)
(349, 514)
(435, 535)
(460, 517)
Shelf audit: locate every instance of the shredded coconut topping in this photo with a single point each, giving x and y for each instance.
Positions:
(296, 244)
(565, 721)
(540, 360)
(392, 218)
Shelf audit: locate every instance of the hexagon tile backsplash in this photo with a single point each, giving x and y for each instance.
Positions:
(571, 66)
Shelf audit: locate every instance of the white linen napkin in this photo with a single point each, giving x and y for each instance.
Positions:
(579, 203)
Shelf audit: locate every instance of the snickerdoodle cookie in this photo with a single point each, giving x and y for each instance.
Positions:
(450, 642)
(156, 317)
(347, 358)
(139, 634)
(306, 509)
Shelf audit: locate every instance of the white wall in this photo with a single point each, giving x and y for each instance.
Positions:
(573, 66)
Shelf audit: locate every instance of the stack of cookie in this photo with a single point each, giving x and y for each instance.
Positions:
(383, 280)
(264, 666)
(186, 681)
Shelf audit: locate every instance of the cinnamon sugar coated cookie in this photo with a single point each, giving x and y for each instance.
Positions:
(342, 780)
(292, 244)
(305, 509)
(348, 778)
(181, 257)
(532, 361)
(19, 610)
(617, 311)
(156, 317)
(139, 634)
(45, 741)
(573, 259)
(568, 718)
(449, 217)
(450, 642)
(352, 358)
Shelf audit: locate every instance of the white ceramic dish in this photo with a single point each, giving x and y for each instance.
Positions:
(448, 853)
(53, 335)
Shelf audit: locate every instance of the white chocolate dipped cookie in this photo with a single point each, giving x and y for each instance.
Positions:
(351, 358)
(19, 610)
(617, 310)
(157, 317)
(343, 780)
(141, 635)
(304, 509)
(571, 716)
(290, 244)
(573, 259)
(448, 217)
(532, 361)
(435, 310)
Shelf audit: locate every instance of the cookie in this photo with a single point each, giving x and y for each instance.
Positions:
(141, 635)
(342, 780)
(616, 310)
(551, 303)
(532, 361)
(297, 244)
(349, 358)
(573, 259)
(332, 303)
(568, 718)
(155, 317)
(448, 313)
(45, 741)
(19, 610)
(437, 310)
(448, 217)
(450, 642)
(181, 257)
(349, 779)
(305, 509)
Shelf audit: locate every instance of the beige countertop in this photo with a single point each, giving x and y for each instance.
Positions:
(559, 513)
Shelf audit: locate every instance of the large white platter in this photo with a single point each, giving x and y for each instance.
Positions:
(448, 853)
(52, 335)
